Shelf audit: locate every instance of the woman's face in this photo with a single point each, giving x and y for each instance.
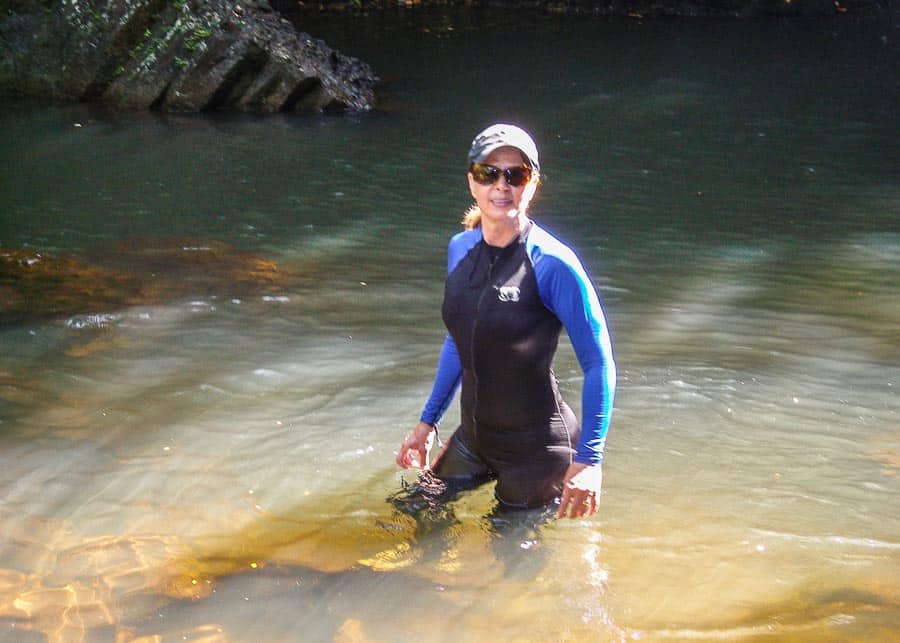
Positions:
(500, 200)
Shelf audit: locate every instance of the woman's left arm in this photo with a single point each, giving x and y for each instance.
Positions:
(567, 290)
(581, 490)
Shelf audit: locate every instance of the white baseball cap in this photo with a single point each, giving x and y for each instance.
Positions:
(504, 135)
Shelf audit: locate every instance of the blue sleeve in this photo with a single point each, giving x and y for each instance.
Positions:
(446, 382)
(567, 291)
(449, 368)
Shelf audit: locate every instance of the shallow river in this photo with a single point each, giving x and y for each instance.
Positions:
(239, 317)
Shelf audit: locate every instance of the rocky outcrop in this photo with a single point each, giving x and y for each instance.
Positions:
(713, 8)
(617, 8)
(174, 55)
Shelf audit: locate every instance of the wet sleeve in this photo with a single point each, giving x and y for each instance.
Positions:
(568, 292)
(446, 383)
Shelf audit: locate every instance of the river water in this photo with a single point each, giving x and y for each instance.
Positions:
(201, 397)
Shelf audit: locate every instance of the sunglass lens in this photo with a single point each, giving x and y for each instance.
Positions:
(485, 174)
(517, 176)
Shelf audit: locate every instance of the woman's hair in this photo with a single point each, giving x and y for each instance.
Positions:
(472, 217)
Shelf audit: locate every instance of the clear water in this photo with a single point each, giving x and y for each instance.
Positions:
(209, 459)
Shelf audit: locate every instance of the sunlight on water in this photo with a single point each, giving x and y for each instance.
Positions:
(213, 342)
(755, 484)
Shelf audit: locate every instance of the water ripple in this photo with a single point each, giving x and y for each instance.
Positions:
(831, 540)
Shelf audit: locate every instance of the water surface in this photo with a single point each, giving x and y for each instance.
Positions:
(239, 321)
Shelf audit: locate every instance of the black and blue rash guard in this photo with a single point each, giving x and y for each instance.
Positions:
(504, 309)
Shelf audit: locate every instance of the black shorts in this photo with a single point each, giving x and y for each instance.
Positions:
(528, 463)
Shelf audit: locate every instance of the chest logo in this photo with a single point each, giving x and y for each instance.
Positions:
(507, 293)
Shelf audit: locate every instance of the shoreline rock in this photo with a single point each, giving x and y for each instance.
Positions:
(609, 8)
(175, 55)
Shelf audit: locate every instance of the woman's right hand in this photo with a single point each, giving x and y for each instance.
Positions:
(416, 445)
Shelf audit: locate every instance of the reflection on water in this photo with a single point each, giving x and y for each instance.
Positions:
(215, 329)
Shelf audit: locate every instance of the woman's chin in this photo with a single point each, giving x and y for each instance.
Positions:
(500, 213)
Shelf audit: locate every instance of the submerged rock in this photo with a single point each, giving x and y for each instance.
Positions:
(174, 55)
(39, 285)
(35, 285)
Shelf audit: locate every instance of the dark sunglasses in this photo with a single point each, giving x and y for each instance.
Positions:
(488, 174)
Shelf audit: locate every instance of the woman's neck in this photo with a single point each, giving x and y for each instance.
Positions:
(501, 233)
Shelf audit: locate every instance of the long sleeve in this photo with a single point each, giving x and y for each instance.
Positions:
(449, 369)
(446, 383)
(568, 292)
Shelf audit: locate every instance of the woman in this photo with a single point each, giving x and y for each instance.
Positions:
(510, 289)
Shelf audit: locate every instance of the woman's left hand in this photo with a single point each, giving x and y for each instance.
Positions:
(581, 490)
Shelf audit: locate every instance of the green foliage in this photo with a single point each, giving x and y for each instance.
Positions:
(198, 35)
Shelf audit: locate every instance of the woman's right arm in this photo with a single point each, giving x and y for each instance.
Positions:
(415, 446)
(446, 383)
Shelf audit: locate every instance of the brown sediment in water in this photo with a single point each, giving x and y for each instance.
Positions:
(890, 458)
(18, 390)
(886, 453)
(333, 535)
(818, 614)
(819, 608)
(85, 586)
(114, 582)
(36, 284)
(80, 586)
(352, 630)
(175, 267)
(103, 342)
(292, 536)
